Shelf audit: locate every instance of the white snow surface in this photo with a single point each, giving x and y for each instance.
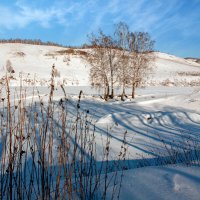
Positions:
(159, 113)
(169, 182)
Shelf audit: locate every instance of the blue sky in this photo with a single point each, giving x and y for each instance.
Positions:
(173, 24)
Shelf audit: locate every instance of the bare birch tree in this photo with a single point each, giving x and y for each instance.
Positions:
(103, 60)
(122, 35)
(141, 56)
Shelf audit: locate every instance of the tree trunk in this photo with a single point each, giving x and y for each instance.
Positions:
(133, 90)
(112, 87)
(107, 92)
(112, 82)
(123, 94)
(112, 93)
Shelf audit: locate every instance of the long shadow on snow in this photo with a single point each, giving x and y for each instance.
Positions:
(172, 132)
(157, 160)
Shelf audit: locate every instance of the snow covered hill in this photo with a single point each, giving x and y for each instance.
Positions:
(171, 70)
(35, 62)
(162, 124)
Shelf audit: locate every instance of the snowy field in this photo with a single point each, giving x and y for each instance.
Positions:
(162, 124)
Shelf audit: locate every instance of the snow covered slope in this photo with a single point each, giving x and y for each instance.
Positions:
(38, 60)
(171, 70)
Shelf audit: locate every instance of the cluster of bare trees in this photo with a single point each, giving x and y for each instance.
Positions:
(29, 41)
(35, 42)
(122, 59)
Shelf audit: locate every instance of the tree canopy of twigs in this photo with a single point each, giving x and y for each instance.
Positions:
(121, 59)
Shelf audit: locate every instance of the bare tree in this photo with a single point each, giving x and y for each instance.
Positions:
(112, 59)
(123, 73)
(98, 71)
(122, 35)
(135, 57)
(140, 47)
(103, 59)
